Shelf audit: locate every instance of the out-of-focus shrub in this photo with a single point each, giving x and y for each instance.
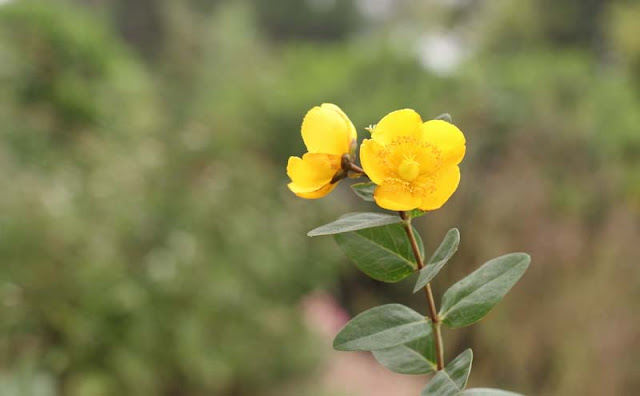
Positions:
(319, 20)
(137, 259)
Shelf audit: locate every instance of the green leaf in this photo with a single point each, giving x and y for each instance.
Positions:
(354, 221)
(382, 327)
(452, 380)
(416, 213)
(383, 253)
(488, 392)
(441, 256)
(472, 298)
(445, 117)
(415, 357)
(364, 190)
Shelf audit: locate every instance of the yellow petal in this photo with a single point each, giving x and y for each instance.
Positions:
(398, 123)
(447, 138)
(326, 129)
(439, 187)
(318, 193)
(373, 160)
(312, 171)
(394, 194)
(353, 134)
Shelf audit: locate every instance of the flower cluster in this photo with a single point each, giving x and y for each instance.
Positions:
(414, 164)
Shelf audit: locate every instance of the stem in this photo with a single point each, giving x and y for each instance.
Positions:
(357, 169)
(433, 312)
(347, 165)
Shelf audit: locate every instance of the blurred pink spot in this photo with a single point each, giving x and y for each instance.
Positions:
(351, 373)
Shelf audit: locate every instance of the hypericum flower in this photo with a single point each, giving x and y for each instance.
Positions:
(329, 135)
(414, 164)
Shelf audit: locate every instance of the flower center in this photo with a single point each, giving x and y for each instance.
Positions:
(408, 170)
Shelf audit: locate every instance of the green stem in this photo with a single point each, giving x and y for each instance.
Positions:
(433, 312)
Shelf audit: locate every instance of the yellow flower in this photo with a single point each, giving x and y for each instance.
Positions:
(414, 164)
(328, 134)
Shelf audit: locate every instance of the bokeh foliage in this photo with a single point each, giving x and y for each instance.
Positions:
(148, 242)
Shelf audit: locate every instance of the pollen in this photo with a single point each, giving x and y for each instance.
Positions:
(408, 170)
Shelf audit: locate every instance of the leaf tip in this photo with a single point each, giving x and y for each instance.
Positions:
(313, 233)
(338, 344)
(524, 258)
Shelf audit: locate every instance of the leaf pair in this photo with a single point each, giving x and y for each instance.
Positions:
(380, 248)
(401, 340)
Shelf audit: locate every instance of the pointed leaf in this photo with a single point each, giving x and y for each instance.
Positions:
(383, 253)
(445, 117)
(441, 256)
(382, 327)
(472, 298)
(415, 357)
(452, 380)
(416, 213)
(460, 367)
(353, 222)
(364, 190)
(488, 392)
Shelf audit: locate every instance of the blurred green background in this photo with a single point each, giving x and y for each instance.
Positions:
(148, 242)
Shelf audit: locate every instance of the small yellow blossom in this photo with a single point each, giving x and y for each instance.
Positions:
(414, 164)
(328, 134)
